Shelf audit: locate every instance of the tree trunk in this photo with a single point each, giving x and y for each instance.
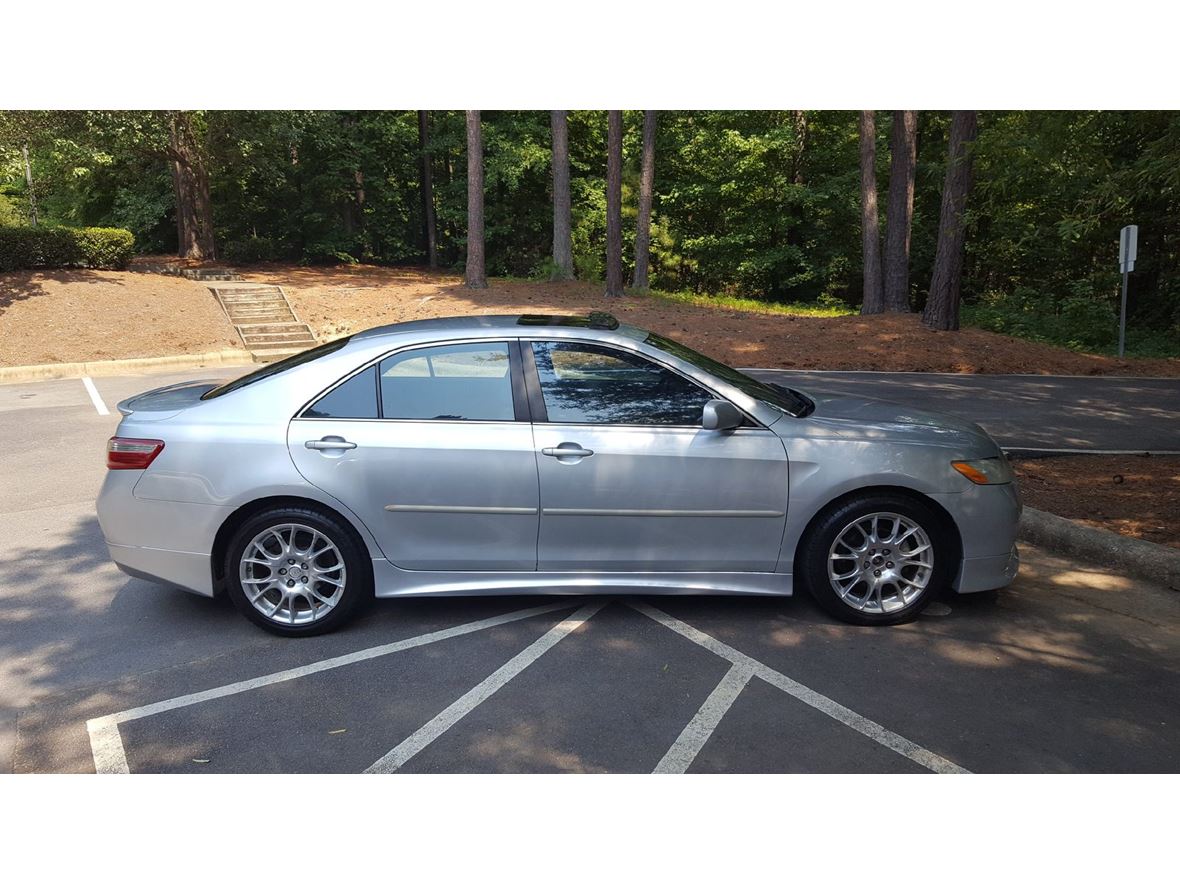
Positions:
(614, 204)
(190, 181)
(476, 275)
(29, 182)
(563, 251)
(870, 224)
(427, 188)
(799, 119)
(647, 180)
(903, 149)
(942, 304)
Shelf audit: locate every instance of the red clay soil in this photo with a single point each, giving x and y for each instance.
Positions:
(64, 316)
(76, 315)
(1135, 495)
(340, 300)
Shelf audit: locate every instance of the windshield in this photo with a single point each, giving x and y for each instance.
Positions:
(790, 401)
(273, 369)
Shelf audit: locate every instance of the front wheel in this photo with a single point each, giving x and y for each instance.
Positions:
(295, 571)
(877, 560)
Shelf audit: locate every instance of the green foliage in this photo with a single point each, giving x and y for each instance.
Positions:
(759, 205)
(825, 306)
(251, 250)
(95, 247)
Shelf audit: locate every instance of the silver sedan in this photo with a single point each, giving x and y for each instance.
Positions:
(541, 454)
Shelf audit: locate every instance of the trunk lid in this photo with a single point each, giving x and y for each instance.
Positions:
(165, 402)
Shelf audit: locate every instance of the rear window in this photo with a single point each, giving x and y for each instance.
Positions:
(278, 368)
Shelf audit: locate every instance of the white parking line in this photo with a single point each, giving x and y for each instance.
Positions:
(107, 746)
(700, 729)
(99, 405)
(840, 713)
(424, 736)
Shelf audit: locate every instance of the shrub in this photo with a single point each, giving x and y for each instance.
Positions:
(252, 249)
(98, 247)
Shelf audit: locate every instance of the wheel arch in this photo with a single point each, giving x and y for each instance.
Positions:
(901, 491)
(236, 519)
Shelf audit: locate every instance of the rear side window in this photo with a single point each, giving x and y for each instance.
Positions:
(355, 398)
(451, 382)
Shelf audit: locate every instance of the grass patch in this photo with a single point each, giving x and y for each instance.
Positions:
(825, 307)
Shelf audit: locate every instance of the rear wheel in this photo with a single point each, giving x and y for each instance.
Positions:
(877, 560)
(296, 571)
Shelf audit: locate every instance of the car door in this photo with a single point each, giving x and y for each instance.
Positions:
(630, 481)
(432, 448)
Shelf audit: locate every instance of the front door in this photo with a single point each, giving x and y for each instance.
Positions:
(433, 450)
(630, 481)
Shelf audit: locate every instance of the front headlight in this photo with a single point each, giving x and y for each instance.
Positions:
(985, 471)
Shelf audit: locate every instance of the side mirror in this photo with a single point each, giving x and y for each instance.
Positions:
(721, 415)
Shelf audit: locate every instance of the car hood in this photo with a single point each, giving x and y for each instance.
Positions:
(164, 402)
(866, 418)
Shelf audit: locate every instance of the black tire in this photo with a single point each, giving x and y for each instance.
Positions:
(357, 570)
(811, 561)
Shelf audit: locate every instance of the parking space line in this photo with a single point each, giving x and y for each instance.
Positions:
(873, 731)
(99, 405)
(106, 745)
(703, 724)
(428, 733)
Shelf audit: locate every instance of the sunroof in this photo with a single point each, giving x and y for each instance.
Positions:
(598, 319)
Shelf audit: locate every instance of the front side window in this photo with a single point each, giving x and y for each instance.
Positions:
(589, 384)
(451, 382)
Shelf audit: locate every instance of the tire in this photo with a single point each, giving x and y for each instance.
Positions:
(297, 571)
(872, 580)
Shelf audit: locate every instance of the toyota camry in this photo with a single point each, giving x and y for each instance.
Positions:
(545, 454)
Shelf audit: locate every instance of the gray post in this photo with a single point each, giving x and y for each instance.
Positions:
(29, 181)
(1123, 317)
(1128, 249)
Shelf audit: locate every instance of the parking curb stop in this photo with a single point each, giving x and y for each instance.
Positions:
(1143, 559)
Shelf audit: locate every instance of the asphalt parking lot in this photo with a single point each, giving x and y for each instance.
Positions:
(1070, 669)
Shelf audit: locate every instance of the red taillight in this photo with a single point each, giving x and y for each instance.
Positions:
(126, 453)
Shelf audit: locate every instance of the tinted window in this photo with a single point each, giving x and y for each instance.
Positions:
(450, 382)
(355, 398)
(588, 384)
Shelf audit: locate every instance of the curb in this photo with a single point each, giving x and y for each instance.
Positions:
(48, 371)
(1143, 559)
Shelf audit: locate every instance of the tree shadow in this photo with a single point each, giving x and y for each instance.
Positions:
(21, 285)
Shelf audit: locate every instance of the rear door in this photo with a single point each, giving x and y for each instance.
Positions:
(432, 448)
(630, 481)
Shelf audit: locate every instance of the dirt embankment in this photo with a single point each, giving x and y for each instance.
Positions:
(75, 315)
(1135, 495)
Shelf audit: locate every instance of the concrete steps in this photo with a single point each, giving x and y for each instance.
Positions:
(264, 319)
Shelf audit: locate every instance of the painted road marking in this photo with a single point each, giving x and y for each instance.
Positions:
(703, 724)
(428, 733)
(106, 745)
(840, 713)
(99, 405)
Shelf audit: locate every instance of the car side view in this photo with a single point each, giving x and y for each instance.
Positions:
(543, 454)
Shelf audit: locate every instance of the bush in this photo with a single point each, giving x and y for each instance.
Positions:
(252, 249)
(98, 247)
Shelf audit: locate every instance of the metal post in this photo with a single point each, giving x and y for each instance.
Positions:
(1123, 317)
(29, 181)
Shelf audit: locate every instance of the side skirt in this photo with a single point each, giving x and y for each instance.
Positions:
(392, 581)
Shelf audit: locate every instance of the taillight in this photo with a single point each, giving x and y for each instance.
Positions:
(126, 453)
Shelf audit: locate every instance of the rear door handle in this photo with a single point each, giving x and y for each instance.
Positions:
(567, 450)
(330, 442)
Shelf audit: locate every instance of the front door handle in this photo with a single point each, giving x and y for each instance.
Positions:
(329, 443)
(567, 450)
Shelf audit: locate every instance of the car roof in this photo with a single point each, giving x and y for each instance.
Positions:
(485, 324)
